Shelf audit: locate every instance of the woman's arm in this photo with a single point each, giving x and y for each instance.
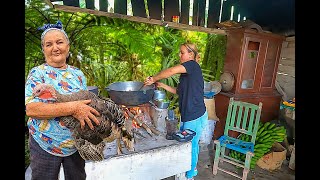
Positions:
(78, 109)
(178, 69)
(167, 87)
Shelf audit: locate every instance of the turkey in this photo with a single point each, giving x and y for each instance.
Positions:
(91, 143)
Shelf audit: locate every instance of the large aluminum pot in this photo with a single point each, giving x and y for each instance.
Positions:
(130, 93)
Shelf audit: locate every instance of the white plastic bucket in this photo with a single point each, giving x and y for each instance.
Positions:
(207, 132)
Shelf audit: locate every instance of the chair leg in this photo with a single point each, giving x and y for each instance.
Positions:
(246, 168)
(245, 174)
(216, 157)
(223, 152)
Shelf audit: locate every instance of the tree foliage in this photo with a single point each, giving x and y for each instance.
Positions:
(108, 50)
(113, 49)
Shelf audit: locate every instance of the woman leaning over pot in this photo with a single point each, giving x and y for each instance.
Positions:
(193, 111)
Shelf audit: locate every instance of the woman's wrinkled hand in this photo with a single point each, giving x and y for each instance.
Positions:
(85, 114)
(149, 80)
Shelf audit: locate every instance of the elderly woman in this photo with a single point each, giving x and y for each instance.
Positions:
(190, 91)
(50, 141)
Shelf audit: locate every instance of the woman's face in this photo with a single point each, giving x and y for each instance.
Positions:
(55, 48)
(184, 54)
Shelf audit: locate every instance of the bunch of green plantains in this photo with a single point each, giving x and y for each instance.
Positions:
(268, 133)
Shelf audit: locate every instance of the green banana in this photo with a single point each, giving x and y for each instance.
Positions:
(260, 131)
(266, 124)
(271, 126)
(265, 137)
(263, 133)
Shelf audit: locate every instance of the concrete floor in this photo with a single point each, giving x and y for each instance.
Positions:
(205, 169)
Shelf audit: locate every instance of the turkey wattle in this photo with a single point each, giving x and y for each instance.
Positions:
(90, 143)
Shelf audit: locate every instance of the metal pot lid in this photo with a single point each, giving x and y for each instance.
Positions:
(216, 86)
(226, 81)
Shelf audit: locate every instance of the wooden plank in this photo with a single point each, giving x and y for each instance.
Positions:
(90, 4)
(140, 19)
(120, 6)
(198, 18)
(103, 5)
(236, 10)
(195, 13)
(287, 62)
(184, 17)
(49, 2)
(74, 3)
(213, 13)
(155, 9)
(201, 12)
(171, 8)
(138, 8)
(226, 10)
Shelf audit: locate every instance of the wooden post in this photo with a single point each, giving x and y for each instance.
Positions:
(103, 5)
(195, 13)
(120, 6)
(213, 13)
(90, 4)
(155, 9)
(138, 8)
(185, 6)
(171, 8)
(74, 3)
(201, 12)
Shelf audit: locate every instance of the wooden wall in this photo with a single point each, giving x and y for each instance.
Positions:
(160, 11)
(286, 69)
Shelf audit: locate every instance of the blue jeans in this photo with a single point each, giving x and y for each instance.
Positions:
(196, 125)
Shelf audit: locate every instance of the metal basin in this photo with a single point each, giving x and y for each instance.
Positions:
(130, 93)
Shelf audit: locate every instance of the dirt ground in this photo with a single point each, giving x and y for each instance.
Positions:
(205, 169)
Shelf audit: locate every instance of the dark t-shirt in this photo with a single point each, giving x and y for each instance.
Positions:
(190, 91)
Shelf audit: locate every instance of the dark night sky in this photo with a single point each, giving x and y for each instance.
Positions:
(270, 13)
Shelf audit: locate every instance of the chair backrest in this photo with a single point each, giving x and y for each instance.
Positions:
(243, 117)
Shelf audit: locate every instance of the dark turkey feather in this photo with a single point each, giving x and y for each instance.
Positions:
(90, 142)
(104, 106)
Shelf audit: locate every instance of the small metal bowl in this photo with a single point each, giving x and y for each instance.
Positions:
(93, 89)
(207, 86)
(159, 95)
(162, 104)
